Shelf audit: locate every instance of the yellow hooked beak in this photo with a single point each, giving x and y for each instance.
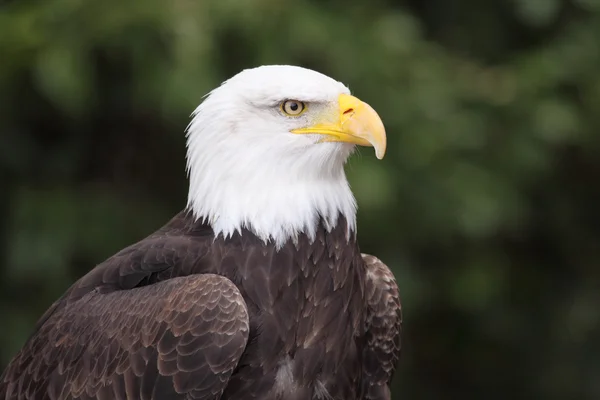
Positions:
(355, 123)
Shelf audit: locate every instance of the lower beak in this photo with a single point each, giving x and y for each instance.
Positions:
(356, 123)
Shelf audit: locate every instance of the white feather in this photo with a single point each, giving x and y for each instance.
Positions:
(247, 170)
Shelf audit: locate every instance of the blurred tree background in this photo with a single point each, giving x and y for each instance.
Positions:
(485, 205)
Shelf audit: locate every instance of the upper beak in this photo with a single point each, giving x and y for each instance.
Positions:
(356, 122)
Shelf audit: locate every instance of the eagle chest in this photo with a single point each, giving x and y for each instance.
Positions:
(306, 321)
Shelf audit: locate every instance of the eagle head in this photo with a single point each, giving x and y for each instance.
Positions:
(266, 152)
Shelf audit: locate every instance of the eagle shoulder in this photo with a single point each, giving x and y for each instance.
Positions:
(123, 332)
(383, 329)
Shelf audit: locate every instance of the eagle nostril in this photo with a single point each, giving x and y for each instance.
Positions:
(348, 111)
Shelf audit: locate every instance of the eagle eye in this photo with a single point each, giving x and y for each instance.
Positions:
(293, 108)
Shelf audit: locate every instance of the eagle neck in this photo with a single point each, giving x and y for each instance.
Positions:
(273, 204)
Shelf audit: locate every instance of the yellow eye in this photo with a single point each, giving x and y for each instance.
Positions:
(293, 107)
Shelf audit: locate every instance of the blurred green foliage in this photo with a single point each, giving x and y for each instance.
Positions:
(485, 206)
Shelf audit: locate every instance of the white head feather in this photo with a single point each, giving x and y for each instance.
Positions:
(247, 170)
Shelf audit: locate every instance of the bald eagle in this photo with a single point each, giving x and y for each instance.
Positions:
(257, 289)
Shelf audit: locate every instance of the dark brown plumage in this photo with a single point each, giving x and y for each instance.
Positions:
(185, 315)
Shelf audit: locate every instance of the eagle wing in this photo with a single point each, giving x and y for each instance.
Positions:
(384, 325)
(176, 339)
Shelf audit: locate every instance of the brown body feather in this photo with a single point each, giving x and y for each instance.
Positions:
(185, 315)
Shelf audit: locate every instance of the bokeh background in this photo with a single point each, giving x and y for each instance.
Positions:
(486, 205)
